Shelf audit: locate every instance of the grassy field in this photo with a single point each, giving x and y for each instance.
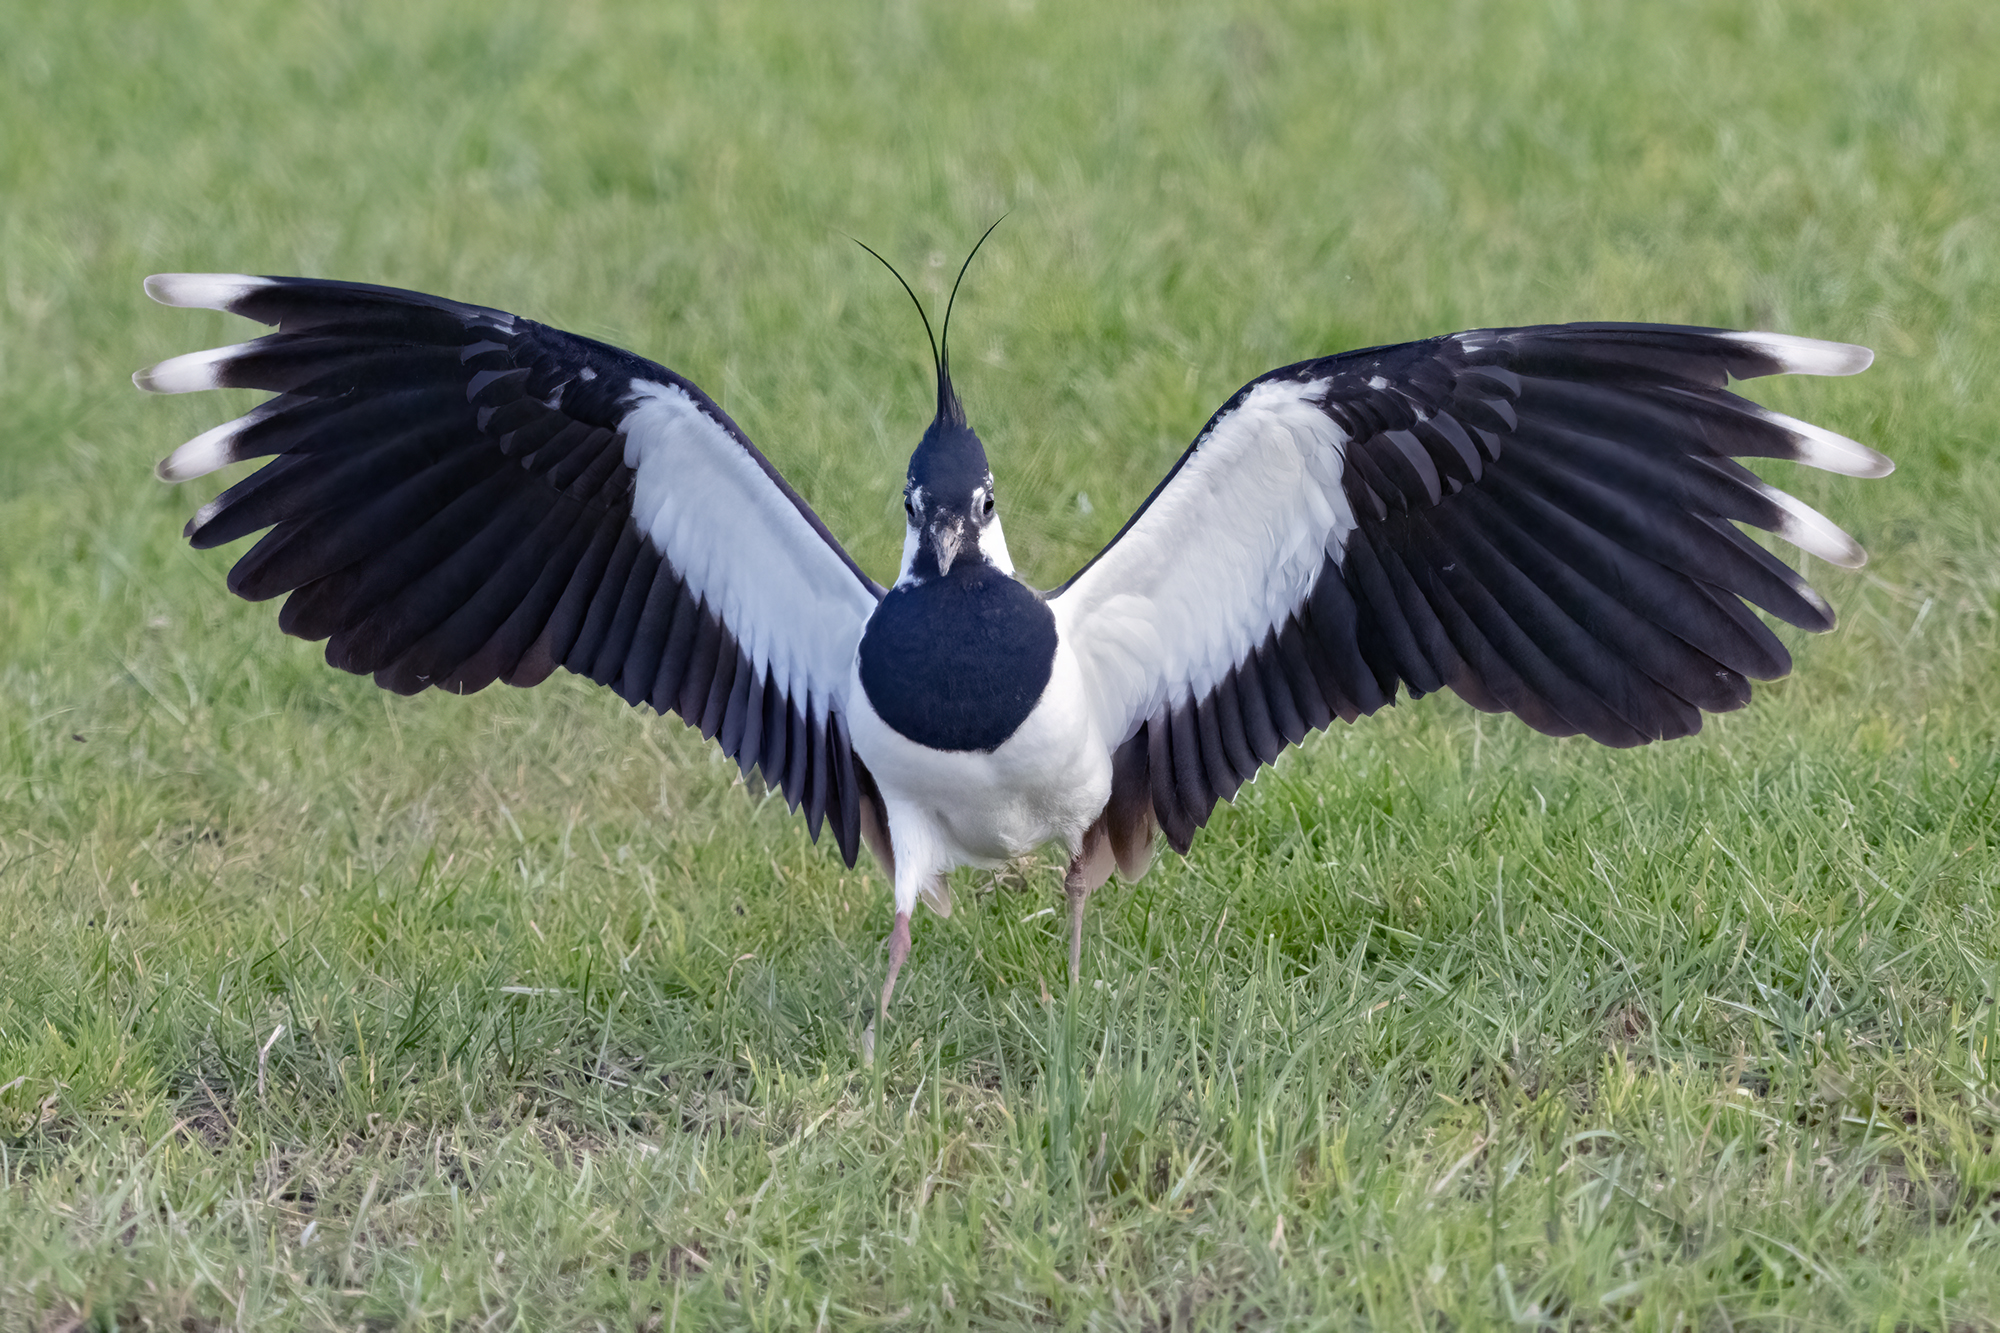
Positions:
(321, 1008)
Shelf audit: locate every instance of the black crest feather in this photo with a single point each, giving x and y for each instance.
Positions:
(949, 411)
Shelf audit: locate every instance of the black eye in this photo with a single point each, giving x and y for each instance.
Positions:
(989, 504)
(910, 508)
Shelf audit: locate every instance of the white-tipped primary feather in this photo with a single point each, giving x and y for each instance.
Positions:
(1808, 356)
(212, 448)
(1821, 448)
(1813, 532)
(202, 291)
(190, 373)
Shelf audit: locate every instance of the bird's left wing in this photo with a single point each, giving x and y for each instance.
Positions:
(460, 496)
(1541, 518)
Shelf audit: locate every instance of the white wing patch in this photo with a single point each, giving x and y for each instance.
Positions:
(793, 604)
(1222, 556)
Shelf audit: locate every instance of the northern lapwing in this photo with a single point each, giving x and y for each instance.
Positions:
(1541, 519)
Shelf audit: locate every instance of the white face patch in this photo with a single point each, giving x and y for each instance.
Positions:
(913, 511)
(903, 576)
(992, 538)
(993, 545)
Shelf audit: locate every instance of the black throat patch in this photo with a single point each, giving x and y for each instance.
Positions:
(958, 663)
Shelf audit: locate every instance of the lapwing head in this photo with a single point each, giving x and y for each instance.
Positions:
(948, 502)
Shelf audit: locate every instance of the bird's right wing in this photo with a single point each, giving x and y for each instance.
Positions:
(461, 496)
(1542, 519)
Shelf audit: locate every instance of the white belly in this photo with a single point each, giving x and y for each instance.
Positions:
(1046, 783)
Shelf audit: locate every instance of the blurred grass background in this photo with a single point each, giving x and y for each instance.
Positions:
(1444, 1024)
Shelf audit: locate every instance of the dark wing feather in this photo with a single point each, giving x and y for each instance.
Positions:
(458, 496)
(1541, 519)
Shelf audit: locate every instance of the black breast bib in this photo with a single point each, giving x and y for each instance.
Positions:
(958, 663)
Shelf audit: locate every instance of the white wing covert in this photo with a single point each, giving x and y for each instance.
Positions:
(460, 496)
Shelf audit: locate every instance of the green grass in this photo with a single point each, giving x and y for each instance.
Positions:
(321, 1008)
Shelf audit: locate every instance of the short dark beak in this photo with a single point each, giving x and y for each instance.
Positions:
(946, 535)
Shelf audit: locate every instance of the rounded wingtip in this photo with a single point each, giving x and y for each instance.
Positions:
(1813, 532)
(151, 380)
(203, 454)
(1873, 466)
(1830, 452)
(1809, 356)
(202, 291)
(167, 376)
(1867, 464)
(190, 372)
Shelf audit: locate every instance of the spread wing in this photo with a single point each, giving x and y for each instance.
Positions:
(1542, 519)
(459, 496)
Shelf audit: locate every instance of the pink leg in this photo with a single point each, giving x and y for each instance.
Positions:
(899, 949)
(1078, 892)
